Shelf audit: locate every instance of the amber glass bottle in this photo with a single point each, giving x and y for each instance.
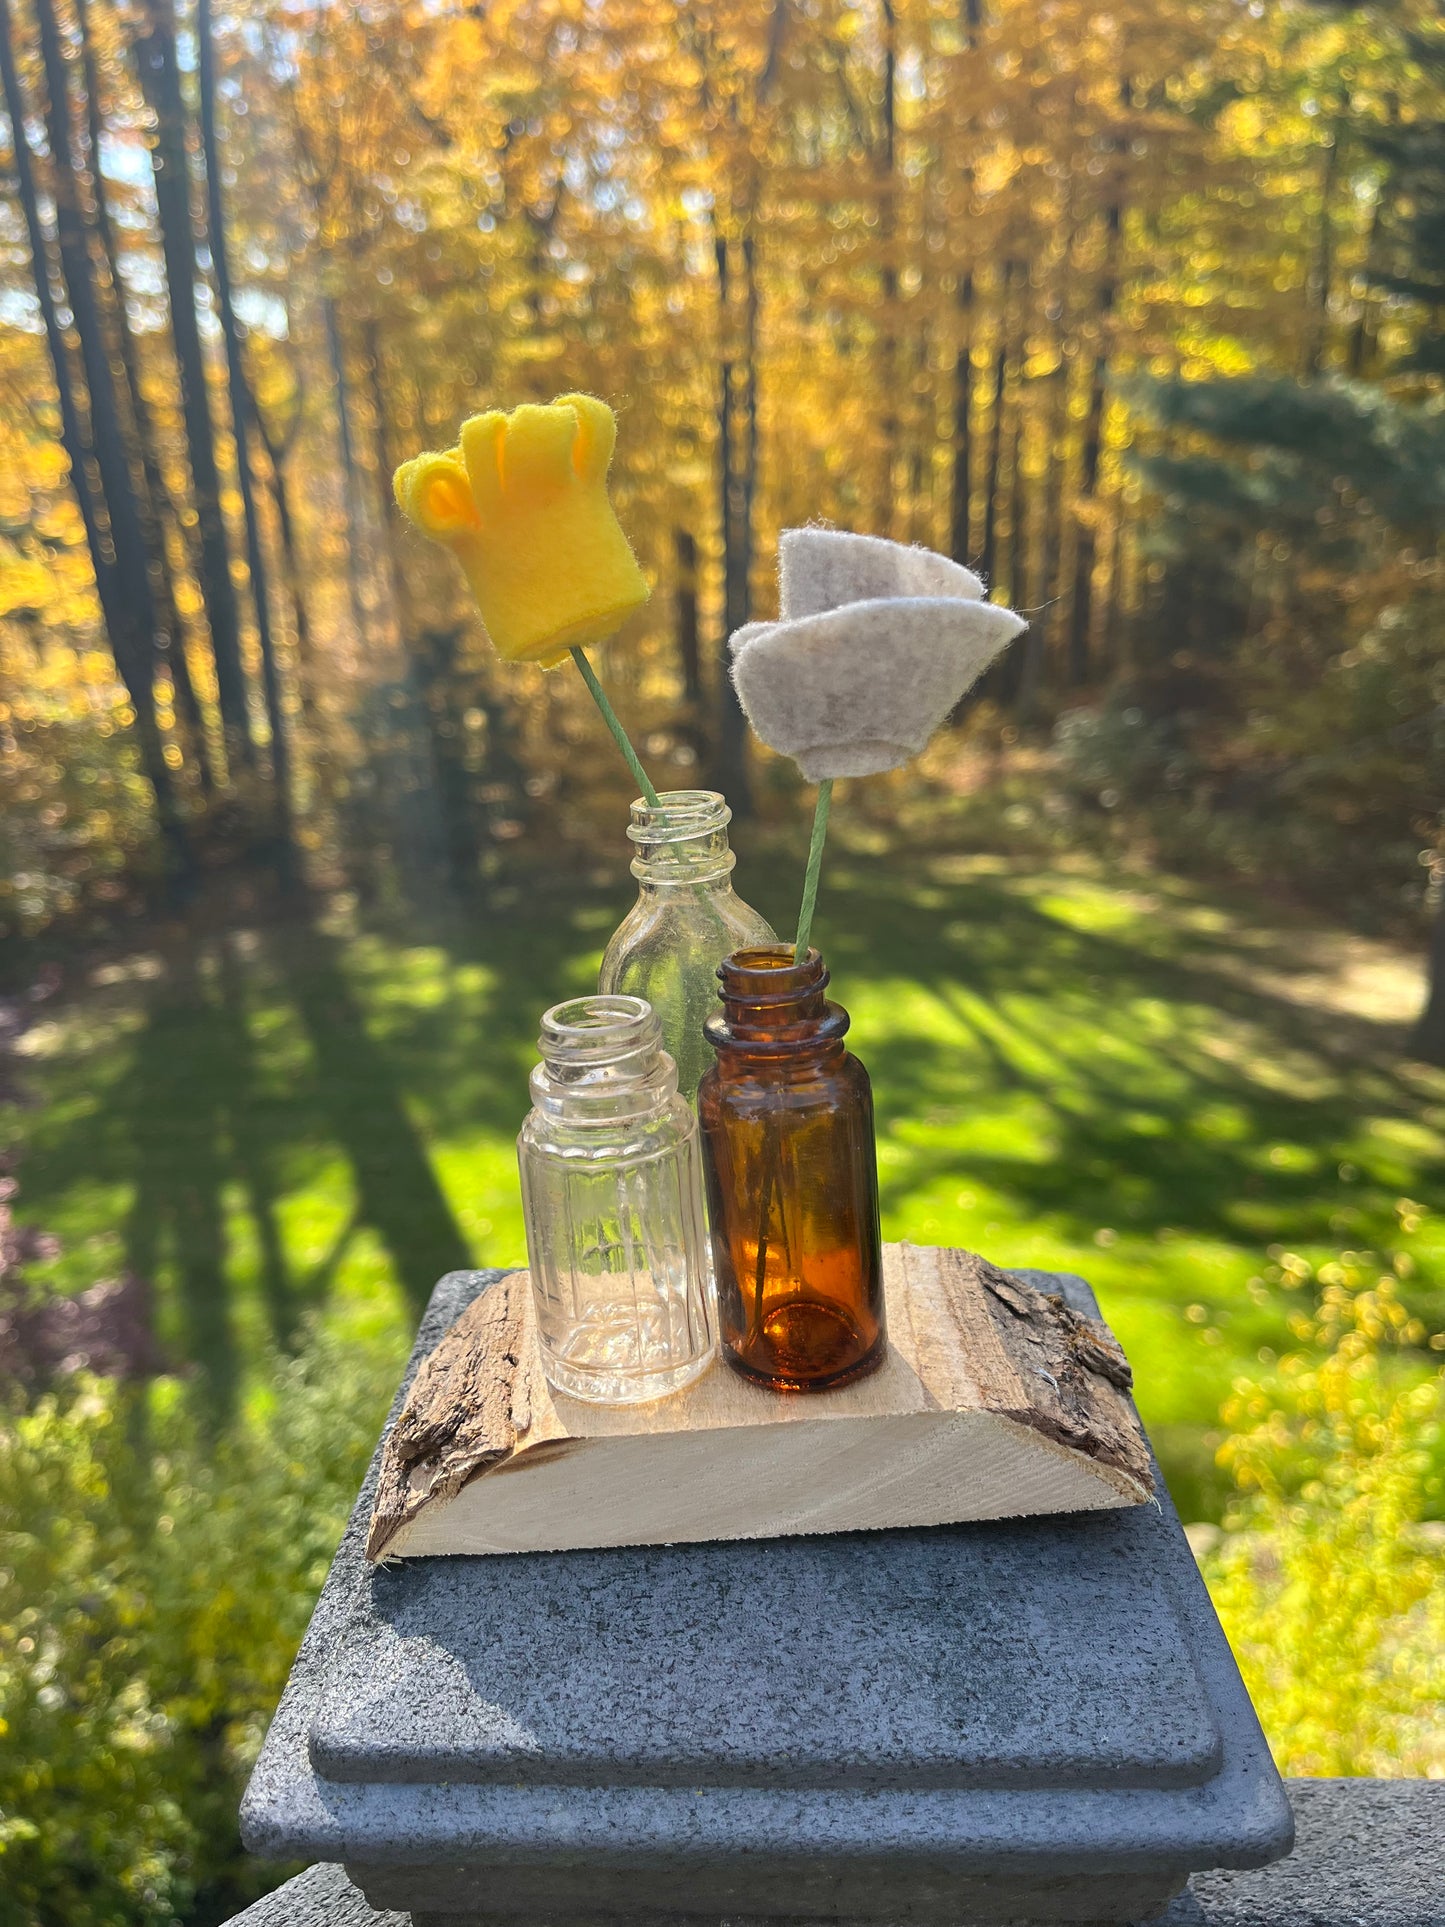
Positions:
(792, 1177)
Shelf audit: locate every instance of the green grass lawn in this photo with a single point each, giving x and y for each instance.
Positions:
(1132, 1079)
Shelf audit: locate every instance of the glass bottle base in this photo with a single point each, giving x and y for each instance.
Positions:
(605, 1386)
(805, 1347)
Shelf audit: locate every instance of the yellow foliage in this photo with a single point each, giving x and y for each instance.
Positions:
(888, 268)
(23, 585)
(1329, 1581)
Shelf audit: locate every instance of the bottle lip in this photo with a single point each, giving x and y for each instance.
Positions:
(773, 1007)
(603, 1064)
(766, 975)
(680, 815)
(599, 1029)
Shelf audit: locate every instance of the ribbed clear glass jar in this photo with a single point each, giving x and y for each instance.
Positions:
(686, 919)
(612, 1197)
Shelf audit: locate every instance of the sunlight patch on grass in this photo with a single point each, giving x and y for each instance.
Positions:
(1069, 1076)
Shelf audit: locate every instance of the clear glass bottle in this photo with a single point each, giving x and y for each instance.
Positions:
(792, 1178)
(686, 919)
(612, 1197)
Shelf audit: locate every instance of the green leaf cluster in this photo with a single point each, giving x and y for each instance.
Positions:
(155, 1580)
(1330, 1580)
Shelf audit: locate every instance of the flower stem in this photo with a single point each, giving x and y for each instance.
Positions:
(639, 774)
(815, 864)
(619, 734)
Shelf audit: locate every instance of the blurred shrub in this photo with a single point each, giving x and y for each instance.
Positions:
(1322, 786)
(1329, 1581)
(75, 829)
(1117, 754)
(155, 1580)
(154, 1584)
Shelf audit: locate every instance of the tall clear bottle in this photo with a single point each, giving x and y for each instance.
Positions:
(612, 1197)
(686, 920)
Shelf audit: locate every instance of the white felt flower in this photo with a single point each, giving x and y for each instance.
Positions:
(874, 644)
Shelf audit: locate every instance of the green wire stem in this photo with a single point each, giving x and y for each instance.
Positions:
(639, 774)
(619, 734)
(815, 864)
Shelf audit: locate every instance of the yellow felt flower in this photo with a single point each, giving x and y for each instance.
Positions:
(522, 503)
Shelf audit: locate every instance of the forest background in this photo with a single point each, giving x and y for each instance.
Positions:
(1139, 310)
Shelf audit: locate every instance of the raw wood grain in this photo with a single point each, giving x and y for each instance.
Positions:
(479, 1392)
(1070, 1378)
(995, 1399)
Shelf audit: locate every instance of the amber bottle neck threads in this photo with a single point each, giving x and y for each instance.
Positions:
(773, 1007)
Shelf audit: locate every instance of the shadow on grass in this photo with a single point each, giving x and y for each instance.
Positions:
(208, 1128)
(1085, 1059)
(1173, 1093)
(183, 1099)
(359, 1087)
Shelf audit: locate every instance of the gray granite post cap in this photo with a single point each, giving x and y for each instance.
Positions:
(873, 1723)
(1370, 1853)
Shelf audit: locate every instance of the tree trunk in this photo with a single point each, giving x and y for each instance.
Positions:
(888, 274)
(429, 652)
(1035, 644)
(155, 58)
(240, 417)
(738, 453)
(989, 557)
(1082, 613)
(114, 525)
(961, 531)
(748, 476)
(433, 662)
(1112, 613)
(356, 534)
(1018, 525)
(971, 19)
(736, 486)
(276, 456)
(72, 434)
(1362, 334)
(1322, 269)
(688, 650)
(384, 457)
(921, 495)
(1427, 1041)
(1011, 669)
(157, 510)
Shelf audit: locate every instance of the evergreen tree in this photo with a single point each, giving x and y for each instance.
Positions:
(1265, 470)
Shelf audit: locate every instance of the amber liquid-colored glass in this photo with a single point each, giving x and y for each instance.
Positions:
(792, 1178)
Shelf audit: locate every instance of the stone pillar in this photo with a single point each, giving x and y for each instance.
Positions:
(1033, 1719)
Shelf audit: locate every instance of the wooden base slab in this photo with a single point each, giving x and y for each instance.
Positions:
(995, 1400)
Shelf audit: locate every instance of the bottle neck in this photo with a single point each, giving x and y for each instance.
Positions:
(774, 1008)
(602, 1062)
(683, 842)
